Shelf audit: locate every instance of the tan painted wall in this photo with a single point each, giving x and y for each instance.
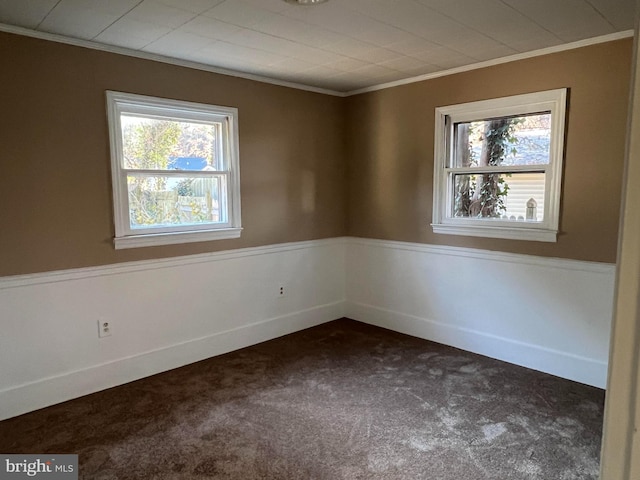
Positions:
(55, 187)
(369, 155)
(390, 150)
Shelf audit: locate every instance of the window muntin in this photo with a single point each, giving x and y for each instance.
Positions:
(498, 165)
(174, 170)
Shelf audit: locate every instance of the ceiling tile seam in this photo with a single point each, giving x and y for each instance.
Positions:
(213, 8)
(252, 29)
(471, 27)
(257, 49)
(256, 28)
(604, 17)
(350, 57)
(213, 17)
(346, 56)
(195, 15)
(262, 32)
(49, 13)
(532, 20)
(314, 26)
(390, 47)
(117, 19)
(217, 20)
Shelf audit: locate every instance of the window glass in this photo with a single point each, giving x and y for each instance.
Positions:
(175, 170)
(521, 140)
(173, 201)
(500, 196)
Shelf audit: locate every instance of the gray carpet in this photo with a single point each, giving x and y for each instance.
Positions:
(340, 401)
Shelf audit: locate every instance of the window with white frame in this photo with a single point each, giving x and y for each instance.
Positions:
(498, 167)
(175, 171)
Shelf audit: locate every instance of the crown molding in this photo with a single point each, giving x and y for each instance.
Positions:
(78, 42)
(52, 37)
(497, 61)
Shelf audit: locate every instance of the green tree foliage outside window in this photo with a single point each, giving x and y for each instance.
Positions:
(482, 195)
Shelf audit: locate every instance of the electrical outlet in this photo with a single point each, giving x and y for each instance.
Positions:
(281, 291)
(104, 328)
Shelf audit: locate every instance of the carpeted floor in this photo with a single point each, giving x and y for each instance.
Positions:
(340, 401)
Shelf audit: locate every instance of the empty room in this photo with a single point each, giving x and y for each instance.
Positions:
(319, 239)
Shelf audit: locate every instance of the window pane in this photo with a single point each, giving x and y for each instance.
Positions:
(156, 201)
(520, 140)
(515, 196)
(167, 144)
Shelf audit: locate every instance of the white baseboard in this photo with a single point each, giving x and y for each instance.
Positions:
(548, 314)
(49, 391)
(585, 370)
(551, 315)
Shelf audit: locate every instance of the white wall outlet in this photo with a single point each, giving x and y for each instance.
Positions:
(104, 328)
(281, 290)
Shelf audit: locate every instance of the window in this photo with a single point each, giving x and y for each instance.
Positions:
(498, 167)
(174, 169)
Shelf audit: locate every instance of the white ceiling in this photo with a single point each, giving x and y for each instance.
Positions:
(342, 45)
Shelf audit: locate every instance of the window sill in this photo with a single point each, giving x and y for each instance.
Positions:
(155, 239)
(520, 233)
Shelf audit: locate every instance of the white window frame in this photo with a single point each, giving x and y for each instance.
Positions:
(119, 103)
(443, 222)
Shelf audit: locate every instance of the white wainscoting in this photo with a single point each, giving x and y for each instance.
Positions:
(549, 314)
(164, 314)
